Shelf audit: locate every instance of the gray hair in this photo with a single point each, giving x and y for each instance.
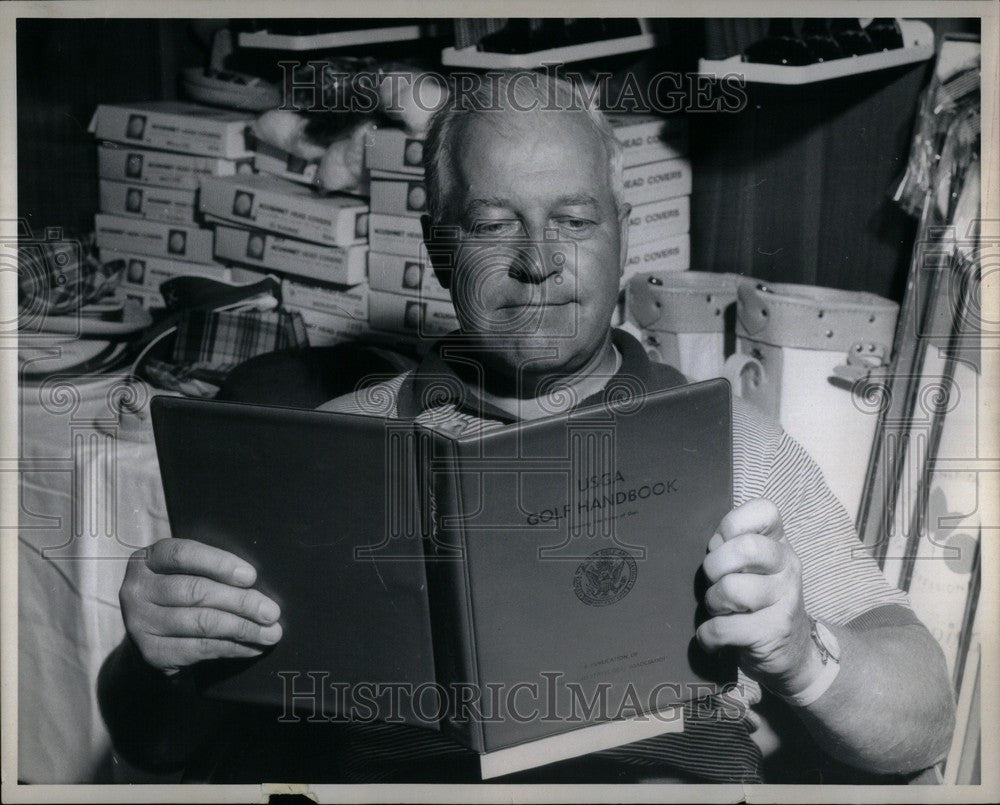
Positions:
(494, 93)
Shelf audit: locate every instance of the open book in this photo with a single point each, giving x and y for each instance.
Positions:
(529, 589)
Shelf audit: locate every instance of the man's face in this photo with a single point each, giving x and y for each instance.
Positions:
(541, 249)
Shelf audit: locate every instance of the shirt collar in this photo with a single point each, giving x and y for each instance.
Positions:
(434, 383)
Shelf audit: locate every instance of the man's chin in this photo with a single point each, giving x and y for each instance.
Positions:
(536, 354)
(526, 321)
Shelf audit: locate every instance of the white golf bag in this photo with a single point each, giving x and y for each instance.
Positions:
(681, 318)
(800, 350)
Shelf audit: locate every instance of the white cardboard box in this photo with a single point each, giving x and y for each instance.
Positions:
(287, 208)
(394, 176)
(395, 151)
(396, 234)
(175, 206)
(146, 298)
(271, 159)
(148, 273)
(659, 219)
(162, 168)
(350, 303)
(399, 197)
(175, 126)
(649, 138)
(156, 238)
(645, 184)
(424, 317)
(324, 329)
(409, 276)
(247, 276)
(666, 254)
(345, 266)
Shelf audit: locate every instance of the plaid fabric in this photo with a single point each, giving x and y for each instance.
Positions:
(61, 276)
(221, 339)
(182, 379)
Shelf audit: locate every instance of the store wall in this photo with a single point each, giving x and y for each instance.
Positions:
(64, 69)
(797, 186)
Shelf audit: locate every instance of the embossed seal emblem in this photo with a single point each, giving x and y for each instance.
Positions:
(605, 577)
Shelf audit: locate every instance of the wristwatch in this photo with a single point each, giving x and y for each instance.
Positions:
(829, 653)
(825, 640)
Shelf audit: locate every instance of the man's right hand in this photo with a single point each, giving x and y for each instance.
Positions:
(184, 601)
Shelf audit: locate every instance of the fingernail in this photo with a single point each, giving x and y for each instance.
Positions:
(715, 542)
(243, 574)
(270, 611)
(271, 634)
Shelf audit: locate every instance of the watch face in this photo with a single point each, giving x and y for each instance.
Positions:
(829, 640)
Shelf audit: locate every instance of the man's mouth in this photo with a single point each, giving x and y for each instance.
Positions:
(538, 305)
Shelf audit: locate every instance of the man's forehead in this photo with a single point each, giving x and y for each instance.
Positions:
(576, 199)
(499, 149)
(571, 130)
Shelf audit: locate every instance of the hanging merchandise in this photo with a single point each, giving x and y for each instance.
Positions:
(934, 383)
(684, 318)
(941, 185)
(953, 90)
(799, 351)
(931, 467)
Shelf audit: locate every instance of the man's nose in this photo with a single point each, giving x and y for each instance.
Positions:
(535, 262)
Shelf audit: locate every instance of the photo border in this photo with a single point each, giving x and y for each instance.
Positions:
(988, 791)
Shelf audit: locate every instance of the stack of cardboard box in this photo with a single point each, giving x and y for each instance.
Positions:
(172, 172)
(657, 176)
(405, 297)
(316, 244)
(151, 159)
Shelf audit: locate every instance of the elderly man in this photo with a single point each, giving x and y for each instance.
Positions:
(527, 227)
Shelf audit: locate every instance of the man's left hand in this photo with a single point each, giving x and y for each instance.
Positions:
(755, 599)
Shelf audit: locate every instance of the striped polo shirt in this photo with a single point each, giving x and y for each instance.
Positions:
(841, 584)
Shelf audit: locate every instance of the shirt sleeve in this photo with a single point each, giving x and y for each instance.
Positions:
(841, 582)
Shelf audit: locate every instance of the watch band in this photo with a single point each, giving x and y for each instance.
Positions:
(830, 657)
(819, 686)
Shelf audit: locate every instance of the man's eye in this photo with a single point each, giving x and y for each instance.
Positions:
(499, 228)
(575, 224)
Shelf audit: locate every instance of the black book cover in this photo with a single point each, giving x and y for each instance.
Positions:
(564, 563)
(541, 577)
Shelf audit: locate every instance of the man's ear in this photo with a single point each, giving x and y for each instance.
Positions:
(441, 243)
(623, 214)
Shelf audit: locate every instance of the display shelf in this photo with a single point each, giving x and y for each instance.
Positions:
(326, 41)
(470, 57)
(918, 39)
